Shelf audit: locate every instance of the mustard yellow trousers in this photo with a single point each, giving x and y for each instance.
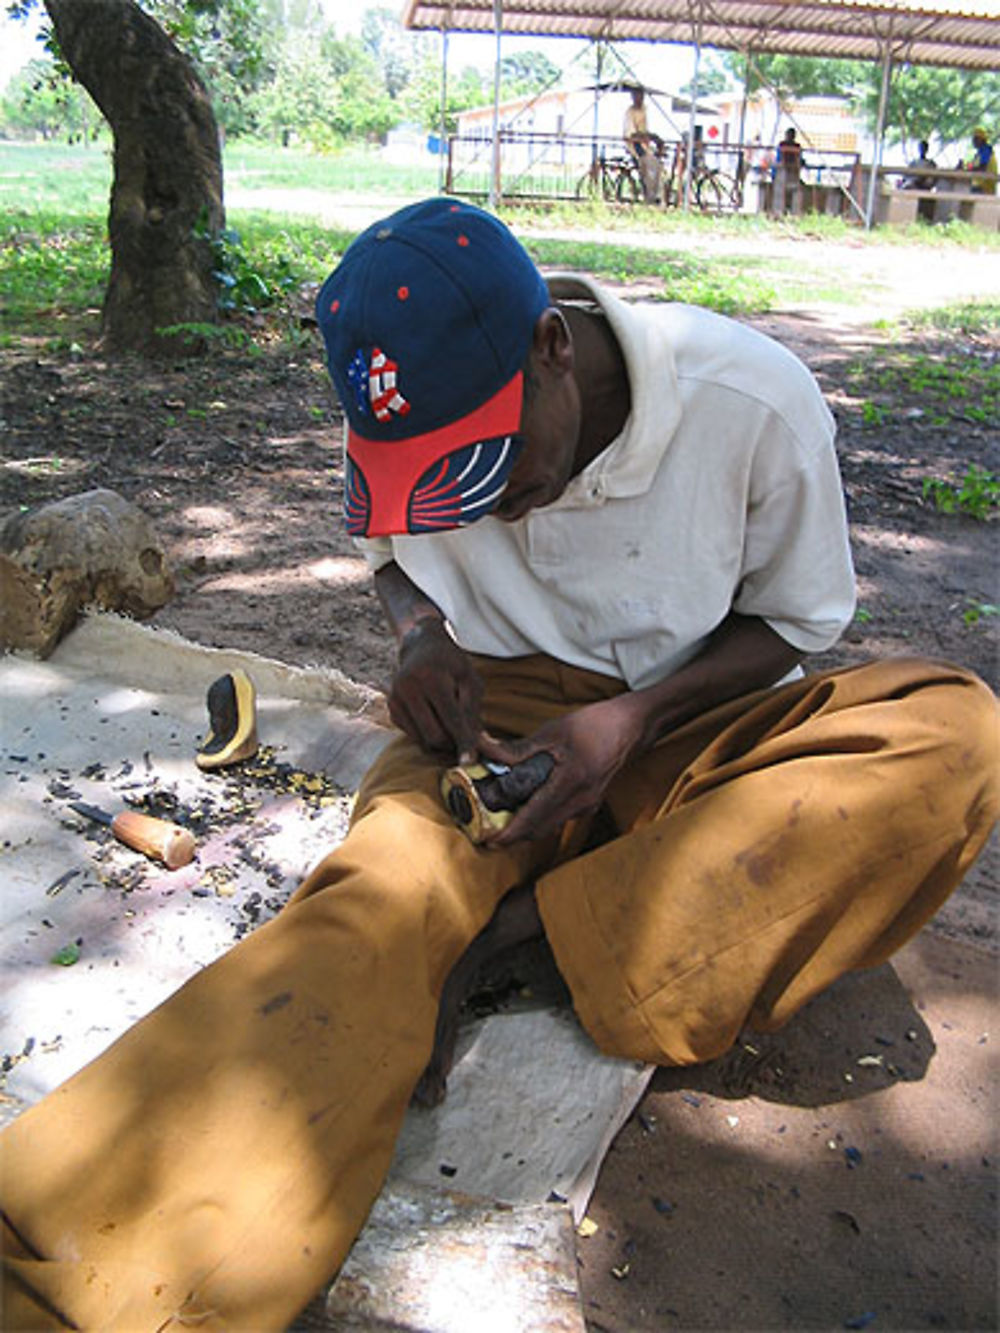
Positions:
(212, 1168)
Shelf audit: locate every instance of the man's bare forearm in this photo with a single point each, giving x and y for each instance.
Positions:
(593, 743)
(435, 692)
(403, 603)
(744, 654)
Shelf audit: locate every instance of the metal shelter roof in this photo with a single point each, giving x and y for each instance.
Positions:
(963, 34)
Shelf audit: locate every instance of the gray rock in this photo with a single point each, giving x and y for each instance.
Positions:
(90, 549)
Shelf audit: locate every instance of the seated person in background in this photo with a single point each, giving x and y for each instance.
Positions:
(925, 207)
(643, 147)
(922, 159)
(636, 131)
(984, 163)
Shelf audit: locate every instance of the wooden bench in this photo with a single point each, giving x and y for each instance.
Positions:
(898, 207)
(951, 199)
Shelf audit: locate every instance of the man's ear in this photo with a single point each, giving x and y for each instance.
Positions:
(552, 344)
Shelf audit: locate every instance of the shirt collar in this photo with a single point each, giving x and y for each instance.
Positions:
(627, 465)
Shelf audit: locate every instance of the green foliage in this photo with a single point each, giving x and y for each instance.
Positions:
(526, 73)
(975, 611)
(421, 103)
(976, 494)
(40, 102)
(797, 76)
(245, 285)
(230, 42)
(715, 75)
(391, 49)
(940, 105)
(271, 66)
(305, 102)
(198, 335)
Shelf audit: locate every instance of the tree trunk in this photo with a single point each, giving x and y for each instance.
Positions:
(167, 170)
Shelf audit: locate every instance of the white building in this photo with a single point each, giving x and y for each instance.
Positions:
(579, 115)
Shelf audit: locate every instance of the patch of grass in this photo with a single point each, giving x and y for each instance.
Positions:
(945, 386)
(873, 414)
(50, 263)
(720, 284)
(976, 494)
(56, 178)
(967, 318)
(253, 166)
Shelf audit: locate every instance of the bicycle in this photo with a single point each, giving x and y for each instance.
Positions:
(717, 192)
(613, 179)
(712, 190)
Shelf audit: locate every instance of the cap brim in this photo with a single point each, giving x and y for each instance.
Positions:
(446, 478)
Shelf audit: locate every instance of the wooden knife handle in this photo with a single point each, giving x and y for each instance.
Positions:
(158, 838)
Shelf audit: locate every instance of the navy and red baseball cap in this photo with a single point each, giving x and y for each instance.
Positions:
(428, 321)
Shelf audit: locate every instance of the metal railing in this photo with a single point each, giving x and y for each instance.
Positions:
(533, 165)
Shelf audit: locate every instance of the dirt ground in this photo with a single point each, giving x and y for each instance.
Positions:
(840, 1174)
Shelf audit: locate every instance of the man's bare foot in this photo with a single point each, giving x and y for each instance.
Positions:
(514, 922)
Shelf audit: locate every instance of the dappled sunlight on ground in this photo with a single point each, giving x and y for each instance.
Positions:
(333, 571)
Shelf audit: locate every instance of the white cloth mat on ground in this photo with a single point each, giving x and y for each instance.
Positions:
(117, 713)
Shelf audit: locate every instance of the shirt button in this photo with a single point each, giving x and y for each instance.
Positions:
(597, 491)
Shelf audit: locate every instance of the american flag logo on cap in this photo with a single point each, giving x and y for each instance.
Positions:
(383, 389)
(357, 378)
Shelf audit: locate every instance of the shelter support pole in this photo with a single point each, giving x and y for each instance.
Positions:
(883, 102)
(597, 102)
(444, 109)
(495, 163)
(689, 173)
(741, 161)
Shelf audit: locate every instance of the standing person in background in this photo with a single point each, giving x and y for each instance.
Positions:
(760, 168)
(678, 171)
(787, 175)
